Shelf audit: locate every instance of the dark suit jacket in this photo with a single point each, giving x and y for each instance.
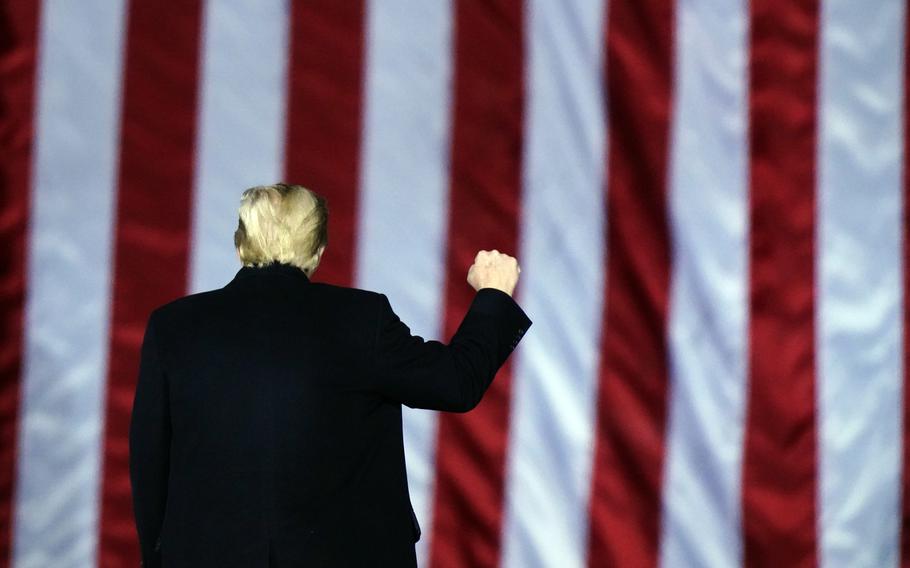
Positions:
(266, 428)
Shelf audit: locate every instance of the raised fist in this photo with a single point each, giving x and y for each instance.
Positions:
(493, 269)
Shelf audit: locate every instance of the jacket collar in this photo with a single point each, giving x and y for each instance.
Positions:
(273, 269)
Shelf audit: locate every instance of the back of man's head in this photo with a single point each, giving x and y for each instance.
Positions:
(281, 223)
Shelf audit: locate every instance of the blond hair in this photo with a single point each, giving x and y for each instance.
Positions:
(281, 223)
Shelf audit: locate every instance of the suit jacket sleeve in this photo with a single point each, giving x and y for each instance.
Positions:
(149, 439)
(453, 377)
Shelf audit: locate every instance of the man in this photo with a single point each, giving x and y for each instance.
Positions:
(266, 427)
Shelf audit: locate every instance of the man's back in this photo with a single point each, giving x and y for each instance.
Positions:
(267, 423)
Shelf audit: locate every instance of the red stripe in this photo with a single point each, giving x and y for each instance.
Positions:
(18, 46)
(324, 117)
(484, 207)
(632, 406)
(779, 465)
(153, 225)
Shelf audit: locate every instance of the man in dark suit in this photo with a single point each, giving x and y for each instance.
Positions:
(266, 427)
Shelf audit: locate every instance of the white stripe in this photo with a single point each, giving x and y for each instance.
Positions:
(57, 495)
(860, 311)
(709, 293)
(241, 125)
(562, 255)
(403, 215)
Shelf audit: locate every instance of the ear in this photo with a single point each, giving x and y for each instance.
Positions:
(318, 256)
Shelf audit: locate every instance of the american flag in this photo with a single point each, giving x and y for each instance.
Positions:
(707, 199)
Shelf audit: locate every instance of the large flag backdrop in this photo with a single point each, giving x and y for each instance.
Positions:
(707, 198)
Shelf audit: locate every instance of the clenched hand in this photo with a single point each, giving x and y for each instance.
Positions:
(493, 269)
